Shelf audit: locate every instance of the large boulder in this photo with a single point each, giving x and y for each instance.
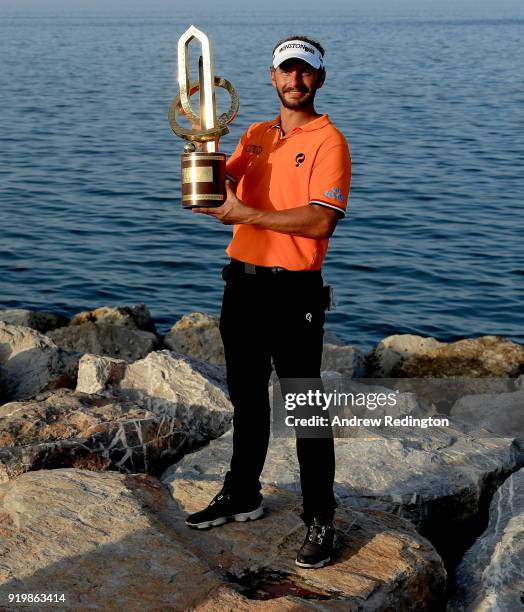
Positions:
(416, 357)
(197, 335)
(70, 429)
(73, 529)
(105, 338)
(31, 362)
(439, 478)
(132, 317)
(380, 563)
(491, 574)
(191, 391)
(69, 530)
(41, 321)
(386, 359)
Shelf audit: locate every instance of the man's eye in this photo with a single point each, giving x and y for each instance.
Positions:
(306, 72)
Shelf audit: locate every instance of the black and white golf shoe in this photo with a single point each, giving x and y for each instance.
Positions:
(225, 507)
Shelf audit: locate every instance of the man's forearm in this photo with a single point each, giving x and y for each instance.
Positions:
(309, 221)
(306, 221)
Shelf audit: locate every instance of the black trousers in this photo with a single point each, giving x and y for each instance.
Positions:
(280, 317)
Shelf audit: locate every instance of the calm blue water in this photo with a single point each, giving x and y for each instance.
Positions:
(433, 111)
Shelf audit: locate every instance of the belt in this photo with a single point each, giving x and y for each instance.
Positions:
(248, 268)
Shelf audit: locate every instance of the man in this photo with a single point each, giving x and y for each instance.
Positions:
(291, 177)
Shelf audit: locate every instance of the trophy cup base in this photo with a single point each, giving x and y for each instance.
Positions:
(203, 179)
(202, 205)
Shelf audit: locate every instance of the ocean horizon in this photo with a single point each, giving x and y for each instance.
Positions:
(432, 109)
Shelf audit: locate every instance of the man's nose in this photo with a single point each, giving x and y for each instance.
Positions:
(295, 78)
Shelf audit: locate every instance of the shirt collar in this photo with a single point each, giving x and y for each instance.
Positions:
(315, 124)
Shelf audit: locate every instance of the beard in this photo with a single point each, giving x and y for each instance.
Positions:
(307, 99)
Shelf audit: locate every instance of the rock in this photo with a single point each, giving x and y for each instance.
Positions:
(197, 335)
(71, 429)
(74, 529)
(104, 338)
(344, 359)
(69, 530)
(331, 338)
(416, 357)
(133, 317)
(387, 357)
(491, 574)
(189, 390)
(32, 362)
(41, 321)
(381, 562)
(439, 479)
(500, 413)
(96, 373)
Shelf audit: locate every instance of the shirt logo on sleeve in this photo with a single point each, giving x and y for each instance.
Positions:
(335, 193)
(254, 149)
(299, 159)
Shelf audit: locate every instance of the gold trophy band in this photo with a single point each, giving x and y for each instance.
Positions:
(203, 170)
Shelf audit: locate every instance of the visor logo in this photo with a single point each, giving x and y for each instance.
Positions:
(299, 159)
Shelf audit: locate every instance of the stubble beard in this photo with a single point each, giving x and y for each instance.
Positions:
(301, 104)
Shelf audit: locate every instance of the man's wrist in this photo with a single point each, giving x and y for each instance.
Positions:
(253, 216)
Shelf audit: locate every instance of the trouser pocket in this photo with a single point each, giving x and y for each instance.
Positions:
(226, 272)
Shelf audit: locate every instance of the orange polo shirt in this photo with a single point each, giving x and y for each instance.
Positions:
(309, 165)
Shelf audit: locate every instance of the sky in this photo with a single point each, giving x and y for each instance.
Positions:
(390, 8)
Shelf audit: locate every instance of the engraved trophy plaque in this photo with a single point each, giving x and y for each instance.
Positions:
(203, 167)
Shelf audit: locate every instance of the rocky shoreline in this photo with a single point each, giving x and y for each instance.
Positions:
(111, 433)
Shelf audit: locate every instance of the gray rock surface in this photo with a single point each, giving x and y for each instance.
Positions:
(64, 428)
(41, 321)
(132, 317)
(75, 529)
(500, 413)
(31, 362)
(381, 563)
(105, 540)
(491, 575)
(97, 373)
(387, 357)
(416, 357)
(105, 338)
(434, 477)
(191, 391)
(197, 335)
(342, 358)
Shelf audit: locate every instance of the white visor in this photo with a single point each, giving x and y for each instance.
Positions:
(298, 49)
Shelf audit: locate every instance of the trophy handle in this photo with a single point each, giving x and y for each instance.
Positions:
(177, 108)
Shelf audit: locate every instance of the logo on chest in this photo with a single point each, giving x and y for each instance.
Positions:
(299, 159)
(254, 149)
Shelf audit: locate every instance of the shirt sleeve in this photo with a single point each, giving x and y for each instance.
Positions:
(236, 164)
(330, 178)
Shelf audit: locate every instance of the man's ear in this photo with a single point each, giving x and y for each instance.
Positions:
(272, 75)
